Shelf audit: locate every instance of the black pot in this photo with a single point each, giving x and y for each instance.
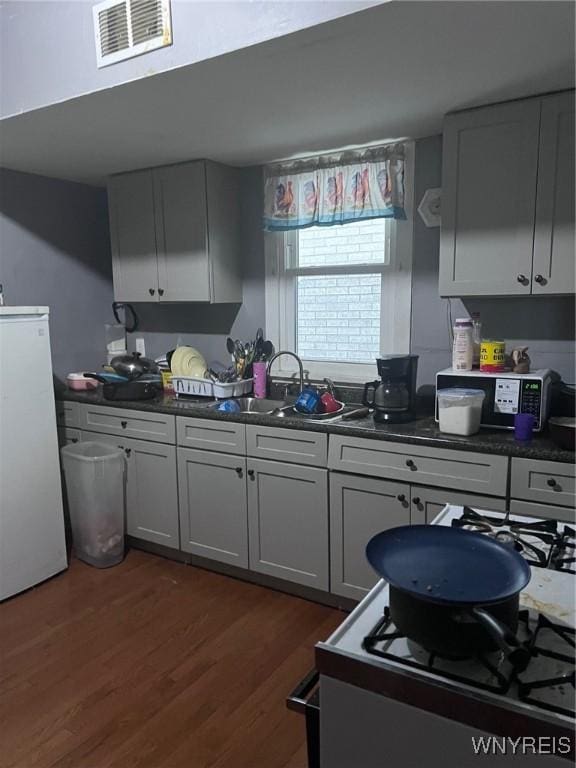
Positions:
(126, 390)
(457, 632)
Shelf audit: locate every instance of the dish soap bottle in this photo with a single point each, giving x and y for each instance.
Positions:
(462, 345)
(476, 338)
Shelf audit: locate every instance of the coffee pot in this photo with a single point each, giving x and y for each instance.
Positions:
(393, 397)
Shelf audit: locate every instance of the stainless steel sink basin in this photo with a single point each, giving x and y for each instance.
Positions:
(256, 405)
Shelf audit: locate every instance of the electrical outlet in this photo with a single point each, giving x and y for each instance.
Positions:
(141, 347)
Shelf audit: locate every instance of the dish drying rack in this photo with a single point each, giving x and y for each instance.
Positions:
(189, 386)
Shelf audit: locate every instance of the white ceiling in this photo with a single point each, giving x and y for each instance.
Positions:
(388, 72)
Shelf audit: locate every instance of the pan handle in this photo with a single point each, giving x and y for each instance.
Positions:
(518, 655)
(96, 376)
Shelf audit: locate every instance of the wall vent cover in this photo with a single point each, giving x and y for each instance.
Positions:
(127, 28)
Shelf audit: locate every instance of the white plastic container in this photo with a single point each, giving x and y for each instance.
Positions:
(80, 383)
(460, 410)
(463, 344)
(95, 475)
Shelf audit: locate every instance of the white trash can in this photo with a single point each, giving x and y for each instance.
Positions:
(94, 474)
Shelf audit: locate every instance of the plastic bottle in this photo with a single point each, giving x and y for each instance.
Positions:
(476, 338)
(463, 345)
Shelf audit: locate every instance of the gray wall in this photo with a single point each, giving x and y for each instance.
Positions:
(54, 250)
(206, 326)
(545, 325)
(52, 43)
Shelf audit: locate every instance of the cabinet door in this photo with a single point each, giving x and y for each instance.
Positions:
(213, 507)
(66, 436)
(488, 196)
(288, 521)
(183, 267)
(554, 235)
(151, 489)
(360, 507)
(133, 236)
(427, 503)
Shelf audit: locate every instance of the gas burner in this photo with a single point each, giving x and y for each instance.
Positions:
(533, 539)
(564, 553)
(549, 681)
(489, 672)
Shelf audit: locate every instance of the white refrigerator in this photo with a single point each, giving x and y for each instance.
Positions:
(32, 543)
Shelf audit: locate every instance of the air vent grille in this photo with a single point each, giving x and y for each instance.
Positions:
(127, 28)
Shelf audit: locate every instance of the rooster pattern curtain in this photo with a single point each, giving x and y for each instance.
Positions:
(335, 189)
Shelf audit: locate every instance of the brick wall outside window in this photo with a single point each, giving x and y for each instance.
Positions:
(338, 316)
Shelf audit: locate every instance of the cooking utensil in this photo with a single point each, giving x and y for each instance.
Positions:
(455, 592)
(136, 389)
(357, 413)
(133, 366)
(563, 431)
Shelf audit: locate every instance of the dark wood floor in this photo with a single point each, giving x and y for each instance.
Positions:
(153, 664)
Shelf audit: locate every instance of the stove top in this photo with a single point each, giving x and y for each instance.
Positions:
(546, 626)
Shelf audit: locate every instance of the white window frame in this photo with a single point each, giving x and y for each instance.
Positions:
(396, 296)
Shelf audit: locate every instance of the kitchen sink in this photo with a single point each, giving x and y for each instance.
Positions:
(256, 405)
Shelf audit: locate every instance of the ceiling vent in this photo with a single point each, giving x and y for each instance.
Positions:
(127, 28)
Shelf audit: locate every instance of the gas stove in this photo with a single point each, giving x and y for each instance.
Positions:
(543, 543)
(542, 693)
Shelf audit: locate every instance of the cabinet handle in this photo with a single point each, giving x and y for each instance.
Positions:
(128, 451)
(160, 291)
(123, 424)
(251, 474)
(538, 279)
(151, 291)
(416, 500)
(410, 463)
(401, 497)
(74, 440)
(239, 471)
(522, 279)
(551, 482)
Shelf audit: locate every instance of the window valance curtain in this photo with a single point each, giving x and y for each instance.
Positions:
(334, 189)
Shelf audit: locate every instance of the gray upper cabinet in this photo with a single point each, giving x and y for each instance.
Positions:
(554, 235)
(133, 237)
(505, 198)
(288, 521)
(175, 234)
(213, 507)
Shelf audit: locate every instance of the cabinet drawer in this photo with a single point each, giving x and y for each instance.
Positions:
(293, 445)
(531, 509)
(144, 425)
(548, 481)
(67, 414)
(211, 435)
(466, 471)
(67, 436)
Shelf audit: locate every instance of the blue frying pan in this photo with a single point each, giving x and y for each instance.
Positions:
(450, 566)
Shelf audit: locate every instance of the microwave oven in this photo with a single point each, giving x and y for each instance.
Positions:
(506, 394)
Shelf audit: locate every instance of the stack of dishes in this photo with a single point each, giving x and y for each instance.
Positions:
(187, 361)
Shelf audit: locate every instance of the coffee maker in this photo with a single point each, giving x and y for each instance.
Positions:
(393, 398)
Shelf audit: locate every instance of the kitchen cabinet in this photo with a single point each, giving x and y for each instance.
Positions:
(293, 445)
(508, 199)
(543, 511)
(213, 506)
(554, 234)
(549, 482)
(361, 507)
(151, 489)
(67, 436)
(288, 522)
(175, 234)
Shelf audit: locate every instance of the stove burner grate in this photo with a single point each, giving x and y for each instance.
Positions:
(497, 680)
(553, 648)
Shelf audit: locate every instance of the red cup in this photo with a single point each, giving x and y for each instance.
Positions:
(329, 403)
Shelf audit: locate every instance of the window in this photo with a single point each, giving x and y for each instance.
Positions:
(339, 296)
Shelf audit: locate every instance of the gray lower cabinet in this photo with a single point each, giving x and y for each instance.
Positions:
(360, 507)
(151, 489)
(427, 503)
(532, 509)
(288, 522)
(66, 436)
(213, 507)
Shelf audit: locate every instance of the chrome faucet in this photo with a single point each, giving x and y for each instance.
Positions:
(295, 356)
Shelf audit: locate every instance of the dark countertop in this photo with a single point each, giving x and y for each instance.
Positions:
(423, 431)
